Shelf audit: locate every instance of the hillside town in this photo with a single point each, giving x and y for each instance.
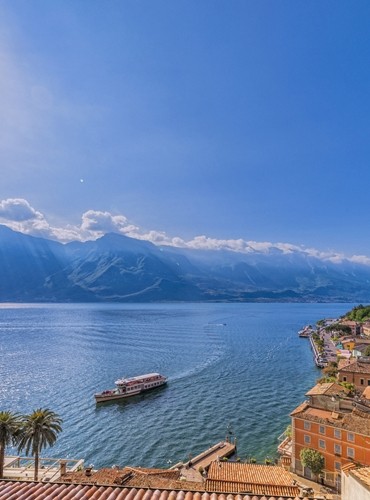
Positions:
(323, 454)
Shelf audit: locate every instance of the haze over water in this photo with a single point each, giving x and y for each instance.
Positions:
(237, 365)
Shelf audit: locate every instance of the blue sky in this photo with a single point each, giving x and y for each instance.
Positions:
(171, 120)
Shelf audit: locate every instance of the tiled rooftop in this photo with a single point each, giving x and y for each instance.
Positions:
(357, 366)
(356, 421)
(299, 409)
(366, 393)
(11, 490)
(233, 477)
(329, 389)
(363, 474)
(136, 477)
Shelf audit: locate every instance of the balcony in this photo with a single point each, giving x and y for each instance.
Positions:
(285, 447)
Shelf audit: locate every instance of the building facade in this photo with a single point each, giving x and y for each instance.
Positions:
(355, 372)
(336, 426)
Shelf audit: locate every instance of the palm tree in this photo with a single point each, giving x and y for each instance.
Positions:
(9, 434)
(39, 430)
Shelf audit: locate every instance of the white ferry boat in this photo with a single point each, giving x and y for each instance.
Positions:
(127, 387)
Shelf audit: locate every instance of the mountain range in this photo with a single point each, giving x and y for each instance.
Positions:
(116, 268)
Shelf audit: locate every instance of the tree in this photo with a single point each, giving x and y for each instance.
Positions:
(40, 429)
(331, 370)
(326, 380)
(312, 459)
(9, 433)
(367, 351)
(288, 431)
(349, 388)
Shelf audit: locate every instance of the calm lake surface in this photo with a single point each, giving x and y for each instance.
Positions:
(238, 365)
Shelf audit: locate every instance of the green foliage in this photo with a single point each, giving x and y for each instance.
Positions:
(320, 322)
(312, 459)
(337, 327)
(331, 370)
(326, 380)
(367, 351)
(349, 388)
(359, 313)
(10, 424)
(40, 429)
(320, 343)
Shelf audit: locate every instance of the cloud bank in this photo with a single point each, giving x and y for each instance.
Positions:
(19, 215)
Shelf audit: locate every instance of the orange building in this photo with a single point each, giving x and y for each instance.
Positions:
(353, 325)
(335, 425)
(355, 372)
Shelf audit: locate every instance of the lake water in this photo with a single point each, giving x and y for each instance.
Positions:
(236, 365)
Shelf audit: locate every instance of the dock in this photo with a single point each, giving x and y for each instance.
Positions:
(190, 469)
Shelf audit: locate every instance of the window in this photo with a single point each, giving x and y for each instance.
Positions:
(344, 379)
(307, 439)
(350, 436)
(322, 444)
(362, 381)
(368, 382)
(337, 433)
(337, 449)
(337, 465)
(307, 426)
(322, 429)
(350, 452)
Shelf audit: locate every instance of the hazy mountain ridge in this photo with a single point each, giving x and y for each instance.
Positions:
(118, 268)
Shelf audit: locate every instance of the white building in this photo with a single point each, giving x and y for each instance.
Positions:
(355, 483)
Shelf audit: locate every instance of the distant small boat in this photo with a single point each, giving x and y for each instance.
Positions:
(127, 387)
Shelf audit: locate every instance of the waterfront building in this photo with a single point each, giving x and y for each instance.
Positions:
(355, 372)
(336, 426)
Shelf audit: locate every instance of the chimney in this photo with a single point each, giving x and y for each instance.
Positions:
(63, 467)
(88, 471)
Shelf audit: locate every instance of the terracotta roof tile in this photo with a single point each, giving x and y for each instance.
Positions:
(329, 389)
(356, 421)
(366, 393)
(232, 477)
(136, 477)
(363, 474)
(300, 409)
(358, 366)
(17, 490)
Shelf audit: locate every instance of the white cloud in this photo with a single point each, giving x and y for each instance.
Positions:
(18, 210)
(99, 223)
(19, 215)
(360, 259)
